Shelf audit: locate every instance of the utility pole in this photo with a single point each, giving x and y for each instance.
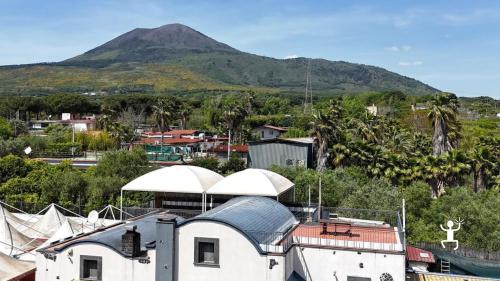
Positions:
(229, 146)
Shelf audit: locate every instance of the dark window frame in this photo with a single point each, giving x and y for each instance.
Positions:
(84, 258)
(357, 278)
(197, 241)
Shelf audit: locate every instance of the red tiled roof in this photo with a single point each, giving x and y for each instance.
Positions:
(181, 132)
(172, 133)
(419, 255)
(168, 141)
(234, 148)
(361, 233)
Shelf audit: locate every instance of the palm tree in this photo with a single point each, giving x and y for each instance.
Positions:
(185, 111)
(327, 130)
(233, 116)
(484, 162)
(165, 112)
(443, 115)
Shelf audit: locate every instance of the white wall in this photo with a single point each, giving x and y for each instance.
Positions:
(322, 264)
(238, 258)
(268, 133)
(114, 266)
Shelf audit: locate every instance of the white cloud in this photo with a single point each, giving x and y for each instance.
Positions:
(404, 48)
(411, 63)
(291, 57)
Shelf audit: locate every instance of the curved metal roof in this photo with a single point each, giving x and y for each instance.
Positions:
(111, 237)
(261, 219)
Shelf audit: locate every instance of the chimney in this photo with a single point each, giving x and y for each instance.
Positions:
(131, 241)
(165, 248)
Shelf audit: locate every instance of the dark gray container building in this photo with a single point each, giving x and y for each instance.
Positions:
(296, 152)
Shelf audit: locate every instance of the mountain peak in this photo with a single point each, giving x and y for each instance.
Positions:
(154, 45)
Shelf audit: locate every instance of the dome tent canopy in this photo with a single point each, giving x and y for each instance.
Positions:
(255, 182)
(178, 178)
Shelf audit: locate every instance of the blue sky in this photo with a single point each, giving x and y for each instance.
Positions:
(452, 45)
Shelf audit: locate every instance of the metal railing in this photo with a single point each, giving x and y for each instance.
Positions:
(375, 239)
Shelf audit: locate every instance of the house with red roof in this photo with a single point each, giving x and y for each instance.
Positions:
(419, 260)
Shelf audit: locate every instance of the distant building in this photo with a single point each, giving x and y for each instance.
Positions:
(296, 152)
(416, 107)
(419, 260)
(79, 123)
(372, 109)
(268, 132)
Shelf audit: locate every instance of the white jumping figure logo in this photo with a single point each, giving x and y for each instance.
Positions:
(450, 233)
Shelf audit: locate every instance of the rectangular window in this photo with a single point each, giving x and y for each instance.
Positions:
(90, 268)
(206, 251)
(355, 278)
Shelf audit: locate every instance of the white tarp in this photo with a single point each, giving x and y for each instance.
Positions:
(12, 241)
(11, 268)
(50, 222)
(66, 230)
(256, 182)
(179, 178)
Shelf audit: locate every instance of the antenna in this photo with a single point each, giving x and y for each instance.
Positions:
(93, 217)
(308, 93)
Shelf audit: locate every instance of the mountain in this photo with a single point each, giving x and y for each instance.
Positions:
(149, 45)
(176, 57)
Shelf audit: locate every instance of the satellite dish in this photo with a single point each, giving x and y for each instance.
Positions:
(93, 217)
(28, 150)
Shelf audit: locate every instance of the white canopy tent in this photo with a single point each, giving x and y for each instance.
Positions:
(12, 241)
(174, 179)
(47, 224)
(256, 182)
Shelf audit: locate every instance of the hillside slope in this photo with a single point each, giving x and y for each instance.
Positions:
(148, 57)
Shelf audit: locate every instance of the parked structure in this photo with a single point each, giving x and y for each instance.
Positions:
(296, 152)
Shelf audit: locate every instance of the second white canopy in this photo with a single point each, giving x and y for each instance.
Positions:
(257, 182)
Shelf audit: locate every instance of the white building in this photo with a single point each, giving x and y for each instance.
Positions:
(266, 132)
(247, 238)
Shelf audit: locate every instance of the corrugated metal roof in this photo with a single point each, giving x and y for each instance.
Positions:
(259, 218)
(112, 238)
(419, 255)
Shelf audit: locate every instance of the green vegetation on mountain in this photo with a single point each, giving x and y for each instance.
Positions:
(175, 58)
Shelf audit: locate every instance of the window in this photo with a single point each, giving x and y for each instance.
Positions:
(206, 251)
(355, 278)
(90, 268)
(386, 277)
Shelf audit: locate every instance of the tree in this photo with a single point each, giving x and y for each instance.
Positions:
(165, 111)
(12, 166)
(327, 131)
(185, 111)
(5, 129)
(443, 114)
(232, 165)
(484, 162)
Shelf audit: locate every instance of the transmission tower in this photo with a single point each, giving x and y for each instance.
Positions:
(308, 98)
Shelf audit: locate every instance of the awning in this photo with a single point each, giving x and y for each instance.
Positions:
(257, 182)
(179, 179)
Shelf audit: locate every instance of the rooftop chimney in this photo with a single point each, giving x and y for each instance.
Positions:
(131, 241)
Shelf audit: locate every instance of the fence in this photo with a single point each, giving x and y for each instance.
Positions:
(373, 238)
(462, 251)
